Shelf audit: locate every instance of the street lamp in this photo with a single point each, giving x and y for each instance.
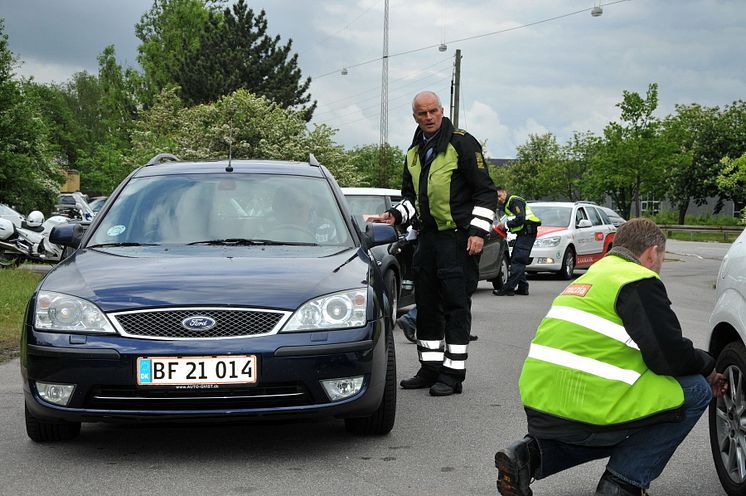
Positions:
(597, 11)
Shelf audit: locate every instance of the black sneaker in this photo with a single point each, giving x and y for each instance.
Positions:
(516, 466)
(503, 292)
(410, 331)
(610, 485)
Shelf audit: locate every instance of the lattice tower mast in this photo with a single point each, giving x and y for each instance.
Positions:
(384, 135)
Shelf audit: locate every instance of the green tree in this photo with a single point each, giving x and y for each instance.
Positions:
(367, 159)
(697, 143)
(29, 177)
(732, 180)
(535, 173)
(242, 124)
(236, 52)
(631, 157)
(169, 31)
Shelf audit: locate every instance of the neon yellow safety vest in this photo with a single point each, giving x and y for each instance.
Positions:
(438, 184)
(530, 216)
(582, 364)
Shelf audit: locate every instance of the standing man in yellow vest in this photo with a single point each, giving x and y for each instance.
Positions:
(523, 223)
(609, 375)
(446, 185)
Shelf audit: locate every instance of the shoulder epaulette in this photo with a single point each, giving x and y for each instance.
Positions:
(459, 131)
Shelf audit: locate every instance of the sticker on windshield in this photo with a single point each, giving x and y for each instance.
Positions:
(115, 230)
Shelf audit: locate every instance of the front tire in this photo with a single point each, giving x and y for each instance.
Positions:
(727, 419)
(49, 432)
(382, 420)
(391, 284)
(568, 264)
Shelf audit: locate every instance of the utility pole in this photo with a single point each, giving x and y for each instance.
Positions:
(383, 176)
(456, 88)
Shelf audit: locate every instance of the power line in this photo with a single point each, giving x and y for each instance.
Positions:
(469, 38)
(409, 82)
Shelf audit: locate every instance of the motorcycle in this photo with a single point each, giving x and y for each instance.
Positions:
(30, 241)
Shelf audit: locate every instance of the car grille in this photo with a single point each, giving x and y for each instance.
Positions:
(229, 323)
(157, 398)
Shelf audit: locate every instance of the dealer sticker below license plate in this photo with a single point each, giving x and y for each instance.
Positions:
(176, 371)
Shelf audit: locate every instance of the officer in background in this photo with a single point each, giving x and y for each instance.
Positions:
(523, 224)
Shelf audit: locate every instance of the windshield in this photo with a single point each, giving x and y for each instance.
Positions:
(552, 215)
(224, 209)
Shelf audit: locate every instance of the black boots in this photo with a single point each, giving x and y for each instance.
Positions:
(516, 467)
(610, 485)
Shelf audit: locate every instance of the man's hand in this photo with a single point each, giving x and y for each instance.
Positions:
(501, 227)
(718, 383)
(474, 245)
(384, 218)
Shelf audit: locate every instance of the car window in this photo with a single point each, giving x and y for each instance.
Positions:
(552, 215)
(604, 217)
(593, 214)
(366, 204)
(189, 208)
(580, 215)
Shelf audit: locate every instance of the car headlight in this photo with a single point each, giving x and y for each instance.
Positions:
(547, 242)
(64, 313)
(341, 310)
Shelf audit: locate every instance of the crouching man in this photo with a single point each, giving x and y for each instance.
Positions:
(609, 375)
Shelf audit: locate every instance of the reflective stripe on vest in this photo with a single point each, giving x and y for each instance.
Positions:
(583, 365)
(530, 216)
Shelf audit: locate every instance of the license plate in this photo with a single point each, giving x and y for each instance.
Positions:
(175, 371)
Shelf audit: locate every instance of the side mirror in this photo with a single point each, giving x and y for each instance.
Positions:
(68, 235)
(380, 234)
(584, 223)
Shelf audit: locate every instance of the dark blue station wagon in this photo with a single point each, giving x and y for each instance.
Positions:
(213, 290)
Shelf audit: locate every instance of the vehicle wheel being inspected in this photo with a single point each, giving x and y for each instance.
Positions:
(727, 419)
(568, 264)
(45, 432)
(382, 420)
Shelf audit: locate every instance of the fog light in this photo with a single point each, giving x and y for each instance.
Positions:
(339, 389)
(59, 394)
(547, 260)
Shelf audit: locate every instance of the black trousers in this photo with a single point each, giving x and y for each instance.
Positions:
(445, 278)
(521, 257)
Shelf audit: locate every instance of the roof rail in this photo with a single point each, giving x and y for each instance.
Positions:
(312, 160)
(587, 202)
(162, 157)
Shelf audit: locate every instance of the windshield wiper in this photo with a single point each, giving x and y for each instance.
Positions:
(246, 242)
(107, 245)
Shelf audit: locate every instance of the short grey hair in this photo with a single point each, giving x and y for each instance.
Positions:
(637, 235)
(426, 92)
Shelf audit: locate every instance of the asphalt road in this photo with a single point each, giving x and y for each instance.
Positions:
(439, 446)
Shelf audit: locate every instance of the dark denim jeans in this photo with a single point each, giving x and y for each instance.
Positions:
(638, 455)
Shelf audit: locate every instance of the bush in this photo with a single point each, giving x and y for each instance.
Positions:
(670, 217)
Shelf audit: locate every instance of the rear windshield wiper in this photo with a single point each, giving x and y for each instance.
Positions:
(108, 245)
(245, 242)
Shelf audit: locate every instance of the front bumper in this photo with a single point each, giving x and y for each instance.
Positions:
(289, 368)
(545, 259)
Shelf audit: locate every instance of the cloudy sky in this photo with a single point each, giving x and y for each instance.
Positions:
(527, 67)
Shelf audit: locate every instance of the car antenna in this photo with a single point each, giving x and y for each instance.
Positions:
(229, 167)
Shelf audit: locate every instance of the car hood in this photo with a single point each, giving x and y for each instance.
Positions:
(265, 277)
(546, 230)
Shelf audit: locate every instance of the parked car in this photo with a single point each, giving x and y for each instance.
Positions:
(10, 214)
(572, 235)
(213, 290)
(727, 416)
(97, 203)
(396, 261)
(613, 216)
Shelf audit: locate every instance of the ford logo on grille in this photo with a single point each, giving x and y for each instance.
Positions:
(198, 323)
